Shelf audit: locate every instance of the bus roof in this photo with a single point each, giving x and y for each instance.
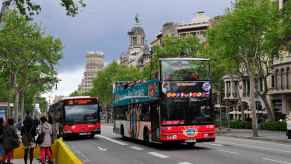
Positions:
(77, 97)
(197, 59)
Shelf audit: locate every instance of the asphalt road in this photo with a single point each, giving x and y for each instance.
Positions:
(110, 149)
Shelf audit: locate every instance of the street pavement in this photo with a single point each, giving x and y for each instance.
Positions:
(267, 135)
(110, 149)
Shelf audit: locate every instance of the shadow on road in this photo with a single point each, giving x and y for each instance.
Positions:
(167, 147)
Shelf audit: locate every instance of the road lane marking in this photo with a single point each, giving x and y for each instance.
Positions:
(258, 147)
(276, 161)
(99, 147)
(102, 149)
(136, 148)
(215, 144)
(158, 155)
(113, 140)
(184, 162)
(230, 152)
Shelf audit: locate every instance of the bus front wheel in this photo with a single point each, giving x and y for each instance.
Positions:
(289, 134)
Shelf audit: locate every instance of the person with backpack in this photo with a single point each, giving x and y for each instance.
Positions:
(10, 140)
(28, 133)
(45, 140)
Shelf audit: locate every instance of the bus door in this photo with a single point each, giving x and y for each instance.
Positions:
(155, 121)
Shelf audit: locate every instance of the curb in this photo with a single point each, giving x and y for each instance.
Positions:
(257, 138)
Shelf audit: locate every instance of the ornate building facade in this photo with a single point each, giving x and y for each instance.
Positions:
(138, 53)
(197, 27)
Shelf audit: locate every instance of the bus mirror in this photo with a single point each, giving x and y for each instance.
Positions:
(100, 108)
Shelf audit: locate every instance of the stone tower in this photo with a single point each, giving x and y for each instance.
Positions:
(136, 35)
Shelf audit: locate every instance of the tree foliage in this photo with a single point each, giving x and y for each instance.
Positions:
(189, 46)
(102, 84)
(30, 7)
(173, 46)
(28, 56)
(249, 35)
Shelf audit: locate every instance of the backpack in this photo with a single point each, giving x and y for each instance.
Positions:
(10, 139)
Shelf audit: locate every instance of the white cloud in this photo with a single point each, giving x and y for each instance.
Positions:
(69, 83)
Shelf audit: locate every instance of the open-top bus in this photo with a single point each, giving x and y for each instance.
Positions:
(176, 107)
(74, 116)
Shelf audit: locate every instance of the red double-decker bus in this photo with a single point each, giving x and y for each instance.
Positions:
(176, 107)
(73, 116)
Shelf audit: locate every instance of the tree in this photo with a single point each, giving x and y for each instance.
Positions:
(248, 35)
(30, 7)
(102, 84)
(173, 46)
(75, 93)
(189, 46)
(28, 57)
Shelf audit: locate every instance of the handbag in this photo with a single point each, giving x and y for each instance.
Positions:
(40, 138)
(27, 137)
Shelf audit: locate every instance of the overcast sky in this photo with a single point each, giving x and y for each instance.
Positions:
(103, 25)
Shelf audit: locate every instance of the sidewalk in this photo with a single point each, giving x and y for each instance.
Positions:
(265, 135)
(20, 161)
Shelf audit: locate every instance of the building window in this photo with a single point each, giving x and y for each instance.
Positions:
(287, 77)
(273, 81)
(134, 40)
(248, 87)
(235, 89)
(276, 79)
(282, 78)
(244, 88)
(228, 89)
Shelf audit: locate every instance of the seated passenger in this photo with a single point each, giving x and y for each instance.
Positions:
(194, 76)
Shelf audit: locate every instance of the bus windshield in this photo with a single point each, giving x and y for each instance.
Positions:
(184, 70)
(81, 113)
(185, 111)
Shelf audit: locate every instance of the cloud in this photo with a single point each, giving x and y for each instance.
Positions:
(69, 82)
(103, 24)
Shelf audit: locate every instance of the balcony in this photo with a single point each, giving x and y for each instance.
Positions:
(282, 60)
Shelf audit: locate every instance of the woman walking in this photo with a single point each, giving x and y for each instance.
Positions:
(46, 135)
(10, 140)
(28, 133)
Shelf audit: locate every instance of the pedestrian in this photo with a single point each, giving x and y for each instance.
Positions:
(19, 125)
(45, 138)
(10, 140)
(28, 133)
(2, 152)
